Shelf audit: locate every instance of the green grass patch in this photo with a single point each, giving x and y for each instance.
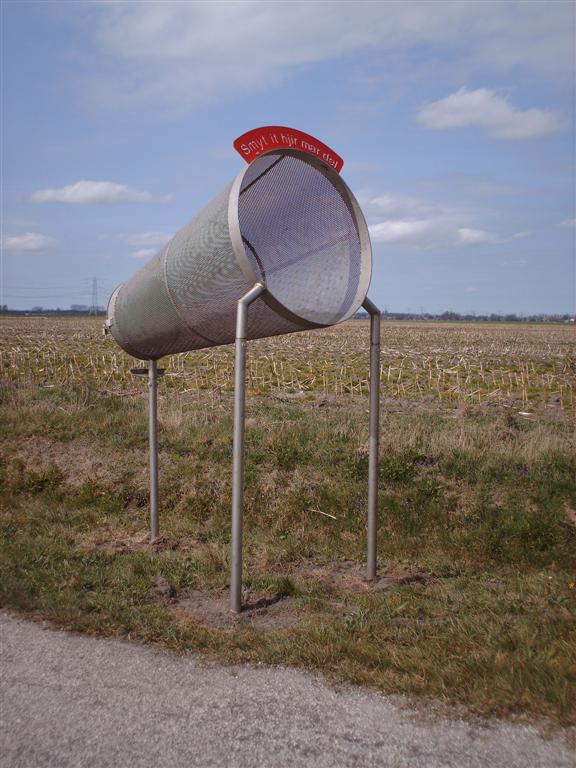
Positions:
(480, 504)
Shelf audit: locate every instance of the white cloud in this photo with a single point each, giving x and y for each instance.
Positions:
(179, 54)
(89, 192)
(144, 253)
(475, 236)
(414, 224)
(485, 109)
(400, 231)
(391, 205)
(145, 239)
(568, 223)
(147, 243)
(469, 236)
(29, 242)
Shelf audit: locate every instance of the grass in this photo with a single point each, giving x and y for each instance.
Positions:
(475, 498)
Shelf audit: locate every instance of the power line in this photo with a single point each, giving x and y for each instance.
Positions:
(44, 296)
(94, 305)
(87, 289)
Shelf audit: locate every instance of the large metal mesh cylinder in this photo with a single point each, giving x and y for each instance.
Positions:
(287, 221)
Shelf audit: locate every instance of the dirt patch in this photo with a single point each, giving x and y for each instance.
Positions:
(351, 576)
(161, 590)
(570, 514)
(78, 462)
(264, 613)
(113, 542)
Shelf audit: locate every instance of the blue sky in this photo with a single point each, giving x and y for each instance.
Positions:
(455, 121)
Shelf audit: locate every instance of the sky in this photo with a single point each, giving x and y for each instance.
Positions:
(455, 121)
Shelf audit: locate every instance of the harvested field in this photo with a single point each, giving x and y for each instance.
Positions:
(526, 365)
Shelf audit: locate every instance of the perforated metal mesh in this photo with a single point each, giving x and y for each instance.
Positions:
(300, 237)
(143, 319)
(287, 221)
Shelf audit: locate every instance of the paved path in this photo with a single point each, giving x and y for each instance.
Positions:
(69, 700)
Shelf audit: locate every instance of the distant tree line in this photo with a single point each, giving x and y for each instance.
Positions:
(448, 316)
(74, 309)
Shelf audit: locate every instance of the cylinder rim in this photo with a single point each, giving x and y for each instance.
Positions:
(360, 223)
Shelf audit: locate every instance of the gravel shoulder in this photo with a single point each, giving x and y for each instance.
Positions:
(71, 700)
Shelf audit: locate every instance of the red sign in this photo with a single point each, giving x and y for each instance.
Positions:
(260, 140)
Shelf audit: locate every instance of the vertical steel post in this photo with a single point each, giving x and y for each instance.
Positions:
(373, 436)
(153, 447)
(238, 447)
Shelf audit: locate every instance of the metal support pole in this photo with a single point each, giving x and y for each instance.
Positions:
(153, 447)
(238, 448)
(373, 435)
